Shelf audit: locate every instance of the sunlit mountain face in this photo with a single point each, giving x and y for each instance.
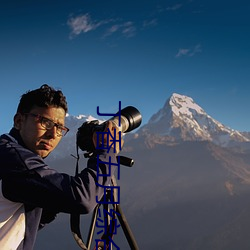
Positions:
(182, 119)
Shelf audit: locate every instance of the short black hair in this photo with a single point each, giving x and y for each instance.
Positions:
(45, 96)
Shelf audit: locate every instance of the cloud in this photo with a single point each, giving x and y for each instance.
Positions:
(83, 24)
(189, 52)
(150, 23)
(174, 7)
(182, 52)
(127, 29)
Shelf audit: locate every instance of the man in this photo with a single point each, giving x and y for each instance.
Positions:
(30, 192)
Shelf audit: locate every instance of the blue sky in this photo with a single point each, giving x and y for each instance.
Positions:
(137, 52)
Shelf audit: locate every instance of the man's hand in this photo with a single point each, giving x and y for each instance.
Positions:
(110, 139)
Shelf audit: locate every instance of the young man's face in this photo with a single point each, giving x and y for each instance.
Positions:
(35, 137)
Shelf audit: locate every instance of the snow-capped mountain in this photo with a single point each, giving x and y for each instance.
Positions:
(182, 119)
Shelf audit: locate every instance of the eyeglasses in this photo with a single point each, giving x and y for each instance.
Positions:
(49, 124)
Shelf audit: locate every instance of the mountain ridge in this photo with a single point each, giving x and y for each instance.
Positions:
(180, 119)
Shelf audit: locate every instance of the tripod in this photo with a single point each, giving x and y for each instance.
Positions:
(110, 221)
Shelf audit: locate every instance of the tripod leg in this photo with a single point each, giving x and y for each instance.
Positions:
(92, 229)
(123, 221)
(126, 229)
(75, 229)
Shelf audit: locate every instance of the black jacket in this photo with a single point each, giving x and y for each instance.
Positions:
(25, 179)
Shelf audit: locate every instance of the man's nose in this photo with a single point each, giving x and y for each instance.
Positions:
(52, 132)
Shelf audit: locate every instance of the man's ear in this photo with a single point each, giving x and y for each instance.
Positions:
(18, 119)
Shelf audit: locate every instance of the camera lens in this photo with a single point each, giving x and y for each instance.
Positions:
(130, 119)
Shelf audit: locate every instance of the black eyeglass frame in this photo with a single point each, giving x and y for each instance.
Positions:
(64, 130)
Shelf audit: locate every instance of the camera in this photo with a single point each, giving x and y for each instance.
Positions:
(126, 120)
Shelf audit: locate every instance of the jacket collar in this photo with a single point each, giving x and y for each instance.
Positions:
(16, 135)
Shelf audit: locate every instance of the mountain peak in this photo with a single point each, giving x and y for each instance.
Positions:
(182, 119)
(182, 104)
